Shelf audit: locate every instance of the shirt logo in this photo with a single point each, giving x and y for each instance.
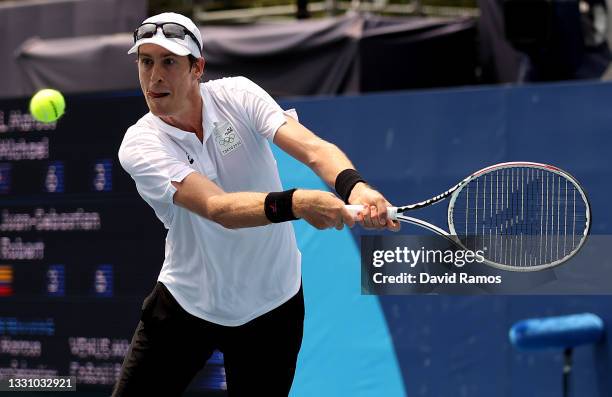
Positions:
(189, 158)
(226, 137)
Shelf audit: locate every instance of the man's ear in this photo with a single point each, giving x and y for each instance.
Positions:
(199, 68)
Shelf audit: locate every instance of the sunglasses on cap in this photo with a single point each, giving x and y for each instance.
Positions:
(171, 30)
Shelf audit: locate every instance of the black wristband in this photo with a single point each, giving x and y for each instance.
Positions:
(277, 206)
(346, 181)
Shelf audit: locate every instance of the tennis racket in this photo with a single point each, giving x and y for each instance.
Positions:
(523, 216)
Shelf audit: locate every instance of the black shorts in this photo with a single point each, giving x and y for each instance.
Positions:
(170, 346)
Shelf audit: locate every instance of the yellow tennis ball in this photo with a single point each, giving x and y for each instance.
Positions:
(47, 105)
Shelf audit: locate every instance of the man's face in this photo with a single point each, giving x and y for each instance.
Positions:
(166, 79)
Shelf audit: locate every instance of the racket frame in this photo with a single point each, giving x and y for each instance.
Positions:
(397, 213)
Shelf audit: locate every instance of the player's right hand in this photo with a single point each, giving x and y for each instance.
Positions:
(321, 209)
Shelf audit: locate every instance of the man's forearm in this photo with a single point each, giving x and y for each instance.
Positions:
(246, 209)
(328, 162)
(323, 157)
(232, 210)
(238, 210)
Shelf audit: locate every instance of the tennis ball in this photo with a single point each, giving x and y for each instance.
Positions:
(47, 105)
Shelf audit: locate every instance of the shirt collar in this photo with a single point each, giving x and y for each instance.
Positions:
(209, 112)
(209, 117)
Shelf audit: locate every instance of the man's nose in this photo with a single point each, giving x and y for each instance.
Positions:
(157, 73)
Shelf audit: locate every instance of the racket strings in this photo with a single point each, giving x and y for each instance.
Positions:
(521, 216)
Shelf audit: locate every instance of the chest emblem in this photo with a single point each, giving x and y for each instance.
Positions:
(226, 137)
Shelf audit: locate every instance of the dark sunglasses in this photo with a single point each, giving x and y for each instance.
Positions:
(171, 30)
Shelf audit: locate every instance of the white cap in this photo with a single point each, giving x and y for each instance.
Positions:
(176, 46)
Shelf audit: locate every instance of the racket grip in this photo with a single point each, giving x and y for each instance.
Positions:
(356, 209)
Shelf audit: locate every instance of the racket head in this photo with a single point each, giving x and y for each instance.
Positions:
(526, 206)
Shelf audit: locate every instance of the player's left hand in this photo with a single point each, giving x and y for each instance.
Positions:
(374, 213)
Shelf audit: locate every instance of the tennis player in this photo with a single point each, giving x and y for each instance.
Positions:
(231, 278)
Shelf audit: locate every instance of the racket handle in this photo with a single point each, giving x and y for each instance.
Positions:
(356, 209)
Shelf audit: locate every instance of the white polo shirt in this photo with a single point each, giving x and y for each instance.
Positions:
(225, 276)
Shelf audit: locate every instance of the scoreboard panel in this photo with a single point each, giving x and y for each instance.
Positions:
(79, 248)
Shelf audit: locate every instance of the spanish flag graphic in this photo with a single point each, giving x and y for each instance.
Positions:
(6, 280)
